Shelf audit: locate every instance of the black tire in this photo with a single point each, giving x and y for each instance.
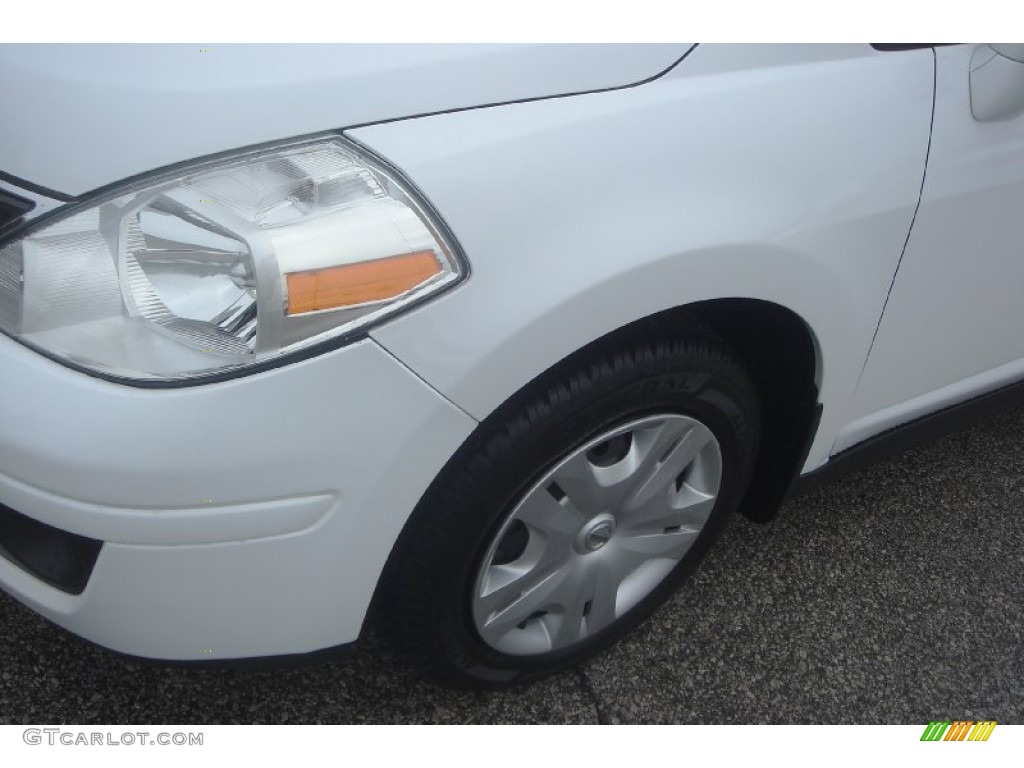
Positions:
(425, 602)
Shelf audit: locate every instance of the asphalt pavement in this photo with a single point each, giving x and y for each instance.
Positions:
(895, 595)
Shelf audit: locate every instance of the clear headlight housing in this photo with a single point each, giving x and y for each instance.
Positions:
(225, 267)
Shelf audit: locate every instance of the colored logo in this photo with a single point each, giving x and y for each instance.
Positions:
(958, 730)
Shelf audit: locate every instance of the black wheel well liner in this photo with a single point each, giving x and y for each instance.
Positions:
(780, 353)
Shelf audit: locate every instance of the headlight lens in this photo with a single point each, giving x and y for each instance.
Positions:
(227, 267)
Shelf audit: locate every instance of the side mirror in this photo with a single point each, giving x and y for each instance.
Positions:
(997, 81)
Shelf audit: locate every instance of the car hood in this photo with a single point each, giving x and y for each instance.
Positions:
(78, 117)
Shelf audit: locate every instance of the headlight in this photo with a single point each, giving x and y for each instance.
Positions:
(224, 267)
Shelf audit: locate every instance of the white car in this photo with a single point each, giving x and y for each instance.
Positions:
(478, 345)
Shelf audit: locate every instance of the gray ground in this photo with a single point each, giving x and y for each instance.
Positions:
(895, 595)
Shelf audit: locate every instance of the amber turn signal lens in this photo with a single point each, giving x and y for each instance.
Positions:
(353, 284)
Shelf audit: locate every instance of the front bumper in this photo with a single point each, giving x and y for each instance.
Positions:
(245, 518)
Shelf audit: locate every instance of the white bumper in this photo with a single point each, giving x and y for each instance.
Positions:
(245, 518)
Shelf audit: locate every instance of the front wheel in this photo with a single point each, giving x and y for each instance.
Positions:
(574, 512)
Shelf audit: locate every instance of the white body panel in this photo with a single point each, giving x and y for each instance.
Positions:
(952, 327)
(80, 117)
(792, 181)
(248, 518)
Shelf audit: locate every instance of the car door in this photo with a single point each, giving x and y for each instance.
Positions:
(953, 325)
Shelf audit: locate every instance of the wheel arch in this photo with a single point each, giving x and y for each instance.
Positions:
(754, 329)
(782, 355)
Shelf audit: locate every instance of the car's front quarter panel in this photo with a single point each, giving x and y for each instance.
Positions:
(789, 177)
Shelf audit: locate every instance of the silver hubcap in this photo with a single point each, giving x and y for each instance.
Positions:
(597, 534)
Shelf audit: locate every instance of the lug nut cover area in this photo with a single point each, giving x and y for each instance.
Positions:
(596, 533)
